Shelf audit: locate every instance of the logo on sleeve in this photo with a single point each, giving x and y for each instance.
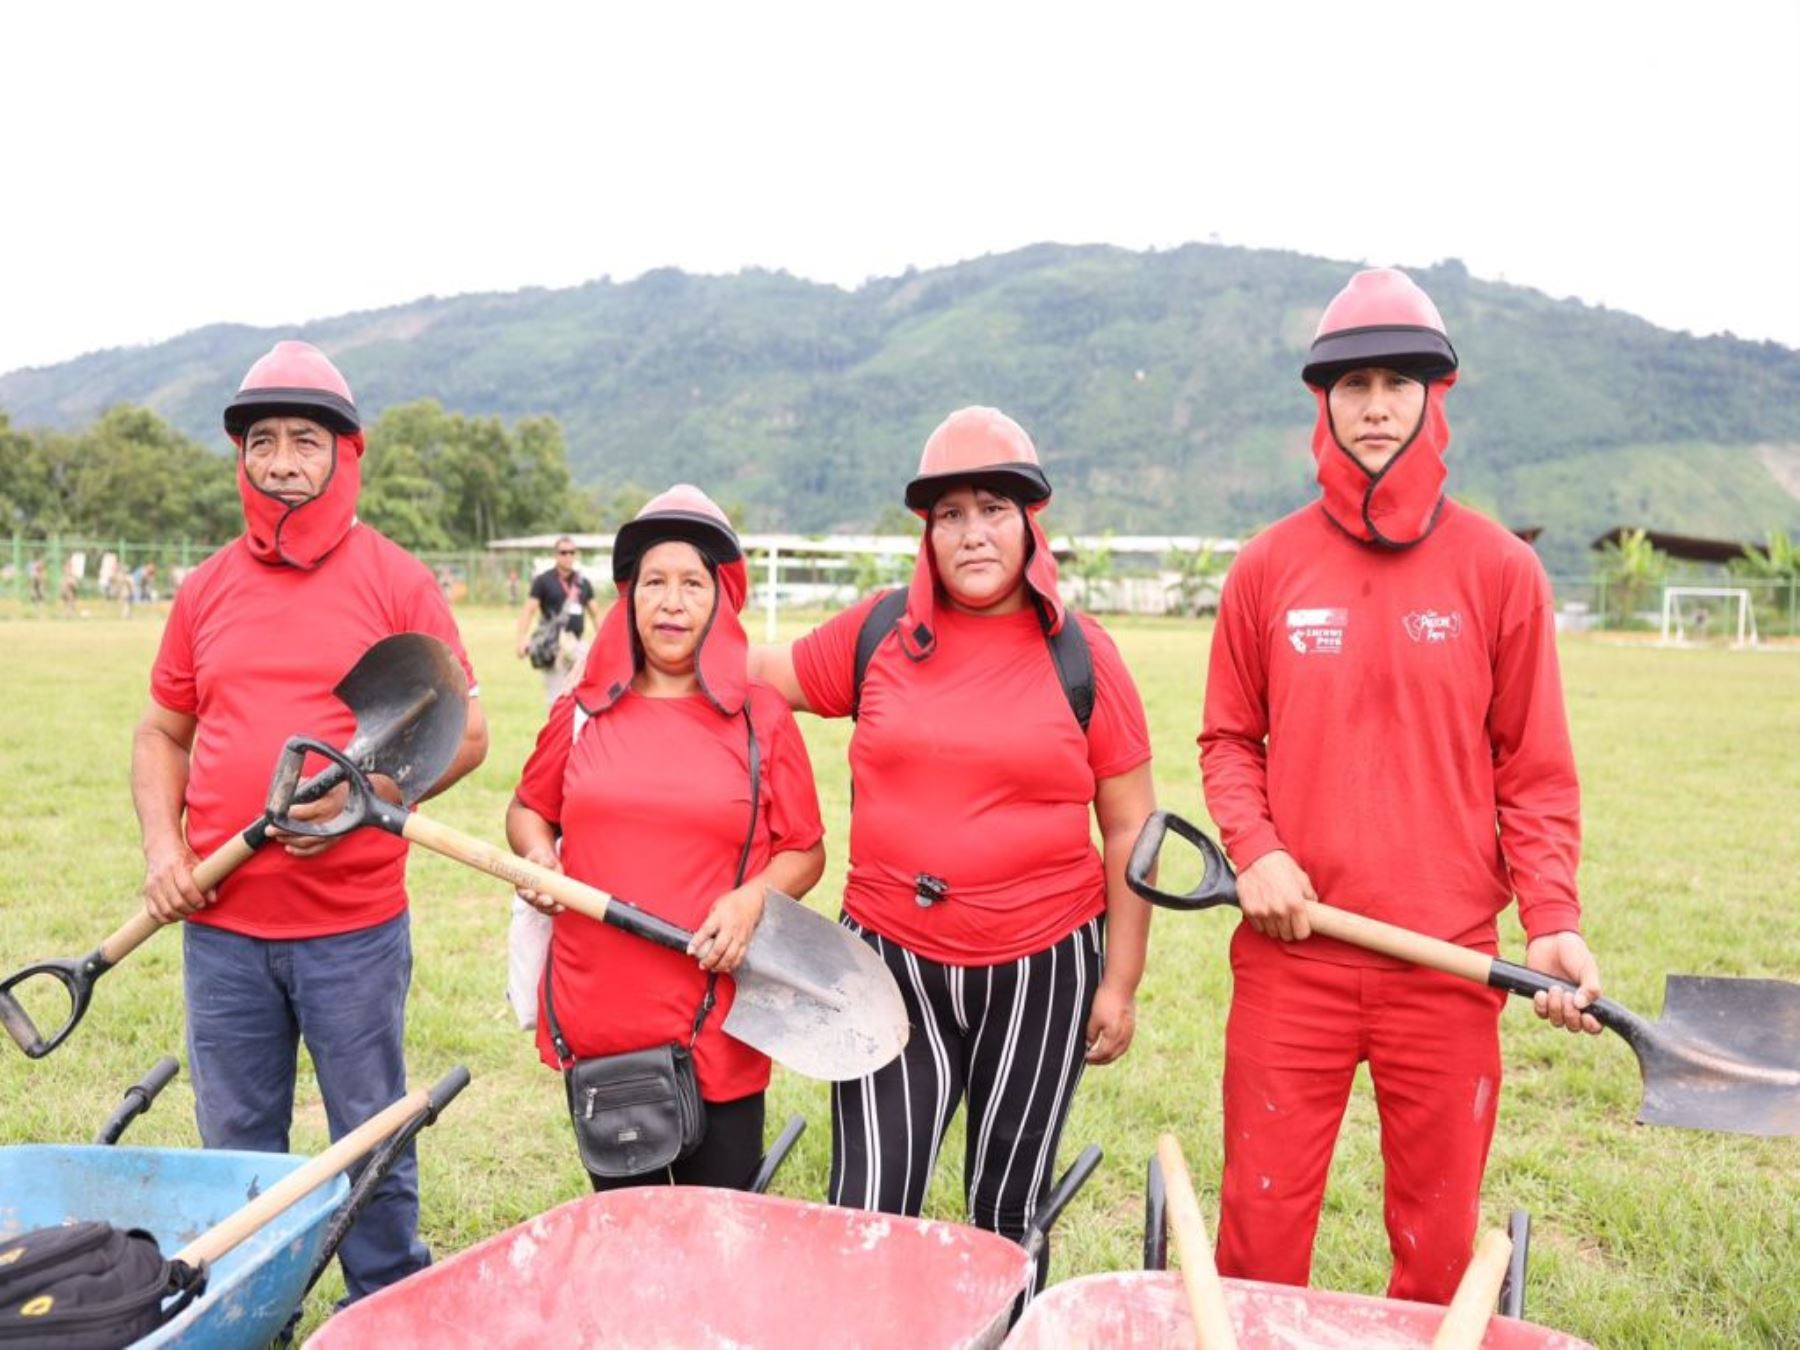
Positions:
(1427, 625)
(1317, 630)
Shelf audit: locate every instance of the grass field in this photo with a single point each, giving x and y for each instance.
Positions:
(1690, 763)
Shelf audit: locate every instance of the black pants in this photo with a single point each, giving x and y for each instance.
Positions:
(727, 1157)
(1012, 1037)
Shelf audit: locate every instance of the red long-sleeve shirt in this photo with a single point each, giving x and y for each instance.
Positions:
(1395, 721)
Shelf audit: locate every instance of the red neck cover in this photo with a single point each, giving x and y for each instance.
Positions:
(918, 635)
(301, 535)
(721, 658)
(1397, 507)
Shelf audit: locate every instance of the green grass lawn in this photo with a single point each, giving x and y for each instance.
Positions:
(1690, 762)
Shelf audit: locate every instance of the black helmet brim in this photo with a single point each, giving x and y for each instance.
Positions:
(1411, 350)
(251, 406)
(1023, 482)
(716, 542)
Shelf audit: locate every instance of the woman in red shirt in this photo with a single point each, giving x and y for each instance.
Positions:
(1017, 946)
(644, 773)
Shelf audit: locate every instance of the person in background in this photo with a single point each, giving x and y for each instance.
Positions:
(310, 938)
(977, 772)
(1384, 731)
(562, 600)
(643, 783)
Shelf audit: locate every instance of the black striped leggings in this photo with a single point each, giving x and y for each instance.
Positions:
(1012, 1036)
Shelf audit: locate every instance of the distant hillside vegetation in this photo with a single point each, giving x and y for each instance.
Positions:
(1162, 389)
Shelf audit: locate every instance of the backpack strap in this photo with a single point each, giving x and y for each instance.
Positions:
(876, 625)
(1068, 646)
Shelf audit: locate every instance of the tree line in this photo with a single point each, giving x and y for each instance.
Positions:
(432, 480)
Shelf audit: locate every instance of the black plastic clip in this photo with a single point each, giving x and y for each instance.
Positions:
(928, 890)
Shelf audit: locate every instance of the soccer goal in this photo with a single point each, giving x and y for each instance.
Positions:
(1692, 614)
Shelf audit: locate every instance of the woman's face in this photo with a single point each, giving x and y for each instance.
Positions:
(672, 600)
(978, 543)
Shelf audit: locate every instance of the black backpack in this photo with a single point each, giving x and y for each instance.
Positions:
(88, 1286)
(1068, 653)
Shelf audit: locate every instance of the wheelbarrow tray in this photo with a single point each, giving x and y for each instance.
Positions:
(177, 1194)
(691, 1266)
(1148, 1310)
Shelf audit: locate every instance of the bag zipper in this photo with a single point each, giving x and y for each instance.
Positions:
(37, 1260)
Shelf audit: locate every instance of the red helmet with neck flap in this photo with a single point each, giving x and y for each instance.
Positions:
(296, 379)
(1382, 319)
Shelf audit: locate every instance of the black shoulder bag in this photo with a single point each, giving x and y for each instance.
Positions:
(640, 1111)
(88, 1286)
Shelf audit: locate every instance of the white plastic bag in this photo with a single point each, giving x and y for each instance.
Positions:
(527, 948)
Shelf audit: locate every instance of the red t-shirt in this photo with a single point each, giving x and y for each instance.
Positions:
(1394, 720)
(253, 651)
(653, 801)
(971, 767)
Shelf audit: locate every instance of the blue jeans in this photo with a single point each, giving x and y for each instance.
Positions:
(249, 1001)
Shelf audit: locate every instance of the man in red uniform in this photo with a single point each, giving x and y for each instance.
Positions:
(1384, 731)
(310, 937)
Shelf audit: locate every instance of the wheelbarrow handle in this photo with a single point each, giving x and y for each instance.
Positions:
(777, 1154)
(138, 1098)
(303, 1180)
(381, 1162)
(1037, 1233)
(1199, 1275)
(1466, 1320)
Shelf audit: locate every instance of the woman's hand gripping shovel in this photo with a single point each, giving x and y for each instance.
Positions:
(1725, 1055)
(410, 699)
(810, 994)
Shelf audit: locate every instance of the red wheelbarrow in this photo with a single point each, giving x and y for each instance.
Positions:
(1150, 1309)
(691, 1266)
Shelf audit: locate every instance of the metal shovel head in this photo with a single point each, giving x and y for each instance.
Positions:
(816, 997)
(1725, 1055)
(411, 701)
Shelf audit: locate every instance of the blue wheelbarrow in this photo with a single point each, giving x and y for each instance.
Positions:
(215, 1205)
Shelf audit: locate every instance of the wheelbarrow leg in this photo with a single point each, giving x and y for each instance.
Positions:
(777, 1154)
(1512, 1290)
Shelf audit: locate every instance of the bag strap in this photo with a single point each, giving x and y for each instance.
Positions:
(565, 1057)
(1068, 653)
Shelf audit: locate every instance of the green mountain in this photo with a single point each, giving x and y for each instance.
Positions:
(1162, 389)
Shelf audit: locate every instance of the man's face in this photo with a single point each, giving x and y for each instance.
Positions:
(565, 557)
(288, 457)
(1375, 411)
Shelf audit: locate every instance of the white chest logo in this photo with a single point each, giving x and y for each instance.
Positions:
(1427, 625)
(1317, 630)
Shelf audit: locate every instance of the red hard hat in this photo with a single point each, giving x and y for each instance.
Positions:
(983, 447)
(684, 512)
(294, 379)
(1381, 318)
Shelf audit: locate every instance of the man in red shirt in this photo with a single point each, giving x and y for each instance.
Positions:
(310, 937)
(1385, 731)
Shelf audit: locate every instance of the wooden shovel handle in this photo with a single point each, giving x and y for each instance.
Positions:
(1465, 1323)
(1206, 1294)
(506, 865)
(296, 1185)
(208, 873)
(1402, 943)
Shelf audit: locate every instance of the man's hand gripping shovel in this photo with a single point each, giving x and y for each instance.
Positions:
(410, 699)
(1725, 1055)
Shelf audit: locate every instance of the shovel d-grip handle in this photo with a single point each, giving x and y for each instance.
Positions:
(78, 974)
(1217, 884)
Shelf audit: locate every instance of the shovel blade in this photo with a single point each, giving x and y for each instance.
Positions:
(411, 701)
(1724, 1056)
(815, 997)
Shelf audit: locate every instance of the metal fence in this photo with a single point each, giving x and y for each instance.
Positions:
(71, 572)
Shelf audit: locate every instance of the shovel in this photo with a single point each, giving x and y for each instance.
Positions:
(410, 698)
(810, 994)
(1725, 1055)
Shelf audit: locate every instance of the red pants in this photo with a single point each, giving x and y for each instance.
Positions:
(1298, 1029)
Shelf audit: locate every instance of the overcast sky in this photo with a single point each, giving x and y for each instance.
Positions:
(172, 165)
